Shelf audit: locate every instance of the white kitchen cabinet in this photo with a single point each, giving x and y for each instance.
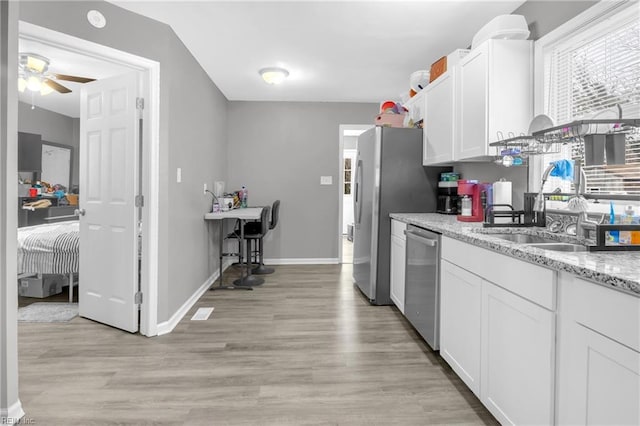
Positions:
(460, 301)
(398, 260)
(498, 330)
(517, 358)
(439, 124)
(494, 96)
(416, 106)
(599, 355)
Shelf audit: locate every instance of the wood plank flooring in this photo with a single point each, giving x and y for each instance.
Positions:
(303, 349)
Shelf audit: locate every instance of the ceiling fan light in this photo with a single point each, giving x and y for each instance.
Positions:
(22, 84)
(36, 63)
(274, 75)
(33, 83)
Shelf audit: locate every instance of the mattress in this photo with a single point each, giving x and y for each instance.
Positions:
(51, 248)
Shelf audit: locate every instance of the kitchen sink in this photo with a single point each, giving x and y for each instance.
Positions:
(559, 246)
(524, 238)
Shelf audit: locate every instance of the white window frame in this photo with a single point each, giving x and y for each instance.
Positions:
(601, 11)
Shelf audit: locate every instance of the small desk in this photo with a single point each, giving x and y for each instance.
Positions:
(251, 213)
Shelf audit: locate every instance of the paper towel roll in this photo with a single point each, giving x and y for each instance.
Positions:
(502, 195)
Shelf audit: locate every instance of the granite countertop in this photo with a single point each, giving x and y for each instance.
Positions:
(618, 270)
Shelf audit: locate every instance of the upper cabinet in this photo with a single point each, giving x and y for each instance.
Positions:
(495, 96)
(486, 97)
(439, 124)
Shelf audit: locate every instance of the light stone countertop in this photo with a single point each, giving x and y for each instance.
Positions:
(619, 270)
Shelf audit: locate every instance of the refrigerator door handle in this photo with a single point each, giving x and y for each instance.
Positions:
(357, 197)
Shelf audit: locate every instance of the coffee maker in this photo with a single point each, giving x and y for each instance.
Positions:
(448, 200)
(473, 200)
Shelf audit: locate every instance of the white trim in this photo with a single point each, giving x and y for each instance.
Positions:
(13, 414)
(344, 128)
(596, 13)
(151, 72)
(302, 261)
(168, 326)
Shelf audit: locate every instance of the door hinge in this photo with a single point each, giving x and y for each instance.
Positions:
(139, 200)
(139, 103)
(138, 298)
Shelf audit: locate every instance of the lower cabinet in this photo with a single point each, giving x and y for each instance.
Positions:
(397, 264)
(517, 358)
(499, 335)
(599, 355)
(460, 301)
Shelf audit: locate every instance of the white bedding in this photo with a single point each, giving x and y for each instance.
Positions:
(52, 248)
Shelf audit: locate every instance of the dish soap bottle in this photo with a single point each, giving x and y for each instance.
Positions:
(627, 219)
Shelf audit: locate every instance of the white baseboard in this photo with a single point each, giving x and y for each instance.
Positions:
(168, 326)
(12, 415)
(301, 261)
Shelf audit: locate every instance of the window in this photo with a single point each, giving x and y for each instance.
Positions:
(347, 176)
(594, 72)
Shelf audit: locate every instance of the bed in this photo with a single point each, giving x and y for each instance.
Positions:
(51, 248)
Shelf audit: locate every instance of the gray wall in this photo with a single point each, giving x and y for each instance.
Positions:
(279, 150)
(192, 136)
(53, 127)
(544, 16)
(490, 172)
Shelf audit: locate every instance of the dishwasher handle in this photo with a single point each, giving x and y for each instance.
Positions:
(427, 241)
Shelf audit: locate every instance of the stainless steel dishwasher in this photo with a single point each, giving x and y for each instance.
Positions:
(422, 283)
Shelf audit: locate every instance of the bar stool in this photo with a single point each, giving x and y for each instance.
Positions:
(251, 234)
(259, 237)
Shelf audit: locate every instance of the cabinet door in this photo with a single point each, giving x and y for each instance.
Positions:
(460, 300)
(472, 105)
(398, 255)
(600, 382)
(517, 358)
(438, 137)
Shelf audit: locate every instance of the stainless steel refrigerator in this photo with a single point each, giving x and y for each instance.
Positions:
(390, 178)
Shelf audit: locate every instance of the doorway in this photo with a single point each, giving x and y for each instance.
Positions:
(148, 71)
(348, 144)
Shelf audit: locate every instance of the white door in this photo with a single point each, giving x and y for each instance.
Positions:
(108, 180)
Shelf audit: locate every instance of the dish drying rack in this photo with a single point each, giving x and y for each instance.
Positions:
(550, 140)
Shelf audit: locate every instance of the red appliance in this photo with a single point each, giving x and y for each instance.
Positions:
(473, 190)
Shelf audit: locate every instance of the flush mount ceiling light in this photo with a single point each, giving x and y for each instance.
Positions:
(273, 75)
(96, 19)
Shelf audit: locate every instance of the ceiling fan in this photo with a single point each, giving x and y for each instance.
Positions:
(34, 75)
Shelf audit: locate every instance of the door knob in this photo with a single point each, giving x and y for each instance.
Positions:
(79, 212)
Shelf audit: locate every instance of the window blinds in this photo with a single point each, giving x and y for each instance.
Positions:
(588, 75)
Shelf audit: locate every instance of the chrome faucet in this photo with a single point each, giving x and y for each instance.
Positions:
(538, 204)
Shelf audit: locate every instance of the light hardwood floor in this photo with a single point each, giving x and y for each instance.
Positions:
(305, 348)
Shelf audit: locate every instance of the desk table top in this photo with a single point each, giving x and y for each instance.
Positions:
(249, 213)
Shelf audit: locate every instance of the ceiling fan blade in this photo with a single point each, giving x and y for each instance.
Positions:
(56, 86)
(72, 78)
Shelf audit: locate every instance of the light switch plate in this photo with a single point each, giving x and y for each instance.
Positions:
(326, 180)
(179, 175)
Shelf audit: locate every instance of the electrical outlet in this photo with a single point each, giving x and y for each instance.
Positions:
(205, 188)
(326, 180)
